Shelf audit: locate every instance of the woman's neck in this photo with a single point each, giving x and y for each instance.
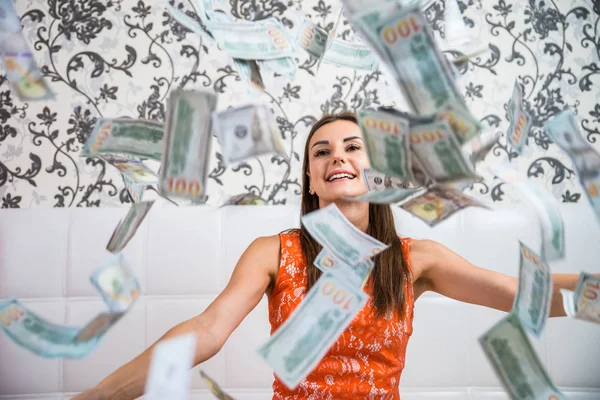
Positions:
(356, 212)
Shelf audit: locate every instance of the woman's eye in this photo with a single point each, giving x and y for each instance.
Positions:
(320, 153)
(353, 147)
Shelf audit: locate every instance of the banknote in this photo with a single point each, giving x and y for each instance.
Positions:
(188, 22)
(364, 19)
(586, 298)
(247, 131)
(464, 125)
(257, 41)
(439, 203)
(387, 196)
(302, 341)
(168, 375)
(331, 35)
(520, 120)
(116, 283)
(21, 69)
(250, 75)
(481, 146)
(312, 38)
(127, 227)
(9, 18)
(135, 190)
(355, 55)
(516, 363)
(439, 153)
(187, 144)
(332, 230)
(532, 303)
(356, 274)
(214, 387)
(284, 66)
(456, 34)
(386, 140)
(375, 180)
(564, 131)
(142, 138)
(419, 67)
(244, 199)
(132, 168)
(553, 240)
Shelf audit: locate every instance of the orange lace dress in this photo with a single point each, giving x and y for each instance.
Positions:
(367, 359)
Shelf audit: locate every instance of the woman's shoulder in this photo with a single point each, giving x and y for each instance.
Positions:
(423, 252)
(270, 245)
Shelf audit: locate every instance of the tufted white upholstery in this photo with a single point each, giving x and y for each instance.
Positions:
(183, 257)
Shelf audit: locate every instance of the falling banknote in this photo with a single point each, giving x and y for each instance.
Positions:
(375, 180)
(516, 363)
(244, 199)
(356, 274)
(168, 375)
(520, 121)
(50, 340)
(187, 145)
(132, 168)
(126, 228)
(247, 131)
(584, 303)
(532, 303)
(563, 129)
(312, 38)
(295, 349)
(439, 203)
(332, 230)
(553, 240)
(214, 387)
(125, 136)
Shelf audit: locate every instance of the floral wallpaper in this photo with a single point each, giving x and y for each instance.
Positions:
(121, 58)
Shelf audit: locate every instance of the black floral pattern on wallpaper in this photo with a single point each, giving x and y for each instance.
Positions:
(555, 48)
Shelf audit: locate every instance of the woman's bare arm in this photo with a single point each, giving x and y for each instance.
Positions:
(249, 281)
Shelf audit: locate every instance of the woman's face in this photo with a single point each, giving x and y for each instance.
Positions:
(336, 156)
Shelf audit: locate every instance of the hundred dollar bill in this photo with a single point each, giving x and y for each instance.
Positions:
(356, 274)
(481, 146)
(387, 196)
(9, 19)
(353, 55)
(532, 303)
(584, 303)
(116, 284)
(132, 168)
(168, 375)
(439, 203)
(50, 340)
(553, 240)
(464, 126)
(127, 227)
(439, 153)
(332, 230)
(22, 71)
(214, 387)
(457, 36)
(250, 75)
(564, 131)
(410, 50)
(303, 340)
(284, 66)
(256, 41)
(386, 140)
(312, 38)
(135, 190)
(244, 199)
(187, 144)
(375, 180)
(247, 131)
(330, 37)
(516, 363)
(520, 121)
(142, 138)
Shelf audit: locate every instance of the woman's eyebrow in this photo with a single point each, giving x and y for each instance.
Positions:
(352, 138)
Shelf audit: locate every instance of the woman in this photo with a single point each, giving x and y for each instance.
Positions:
(367, 360)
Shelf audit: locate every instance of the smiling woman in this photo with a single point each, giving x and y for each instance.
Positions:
(367, 359)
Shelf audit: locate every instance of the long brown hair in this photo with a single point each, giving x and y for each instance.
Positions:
(390, 270)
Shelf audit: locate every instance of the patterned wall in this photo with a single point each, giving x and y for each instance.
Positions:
(116, 58)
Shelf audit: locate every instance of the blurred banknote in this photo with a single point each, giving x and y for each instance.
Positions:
(584, 303)
(516, 363)
(50, 340)
(520, 121)
(135, 190)
(214, 387)
(284, 66)
(440, 154)
(312, 38)
(355, 55)
(244, 199)
(247, 131)
(439, 203)
(126, 228)
(464, 126)
(21, 69)
(375, 180)
(168, 375)
(187, 145)
(386, 196)
(546, 206)
(386, 140)
(302, 341)
(532, 303)
(564, 131)
(132, 168)
(250, 75)
(332, 230)
(9, 19)
(481, 146)
(116, 284)
(142, 138)
(356, 274)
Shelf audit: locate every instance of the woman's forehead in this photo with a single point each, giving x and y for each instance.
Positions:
(336, 130)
